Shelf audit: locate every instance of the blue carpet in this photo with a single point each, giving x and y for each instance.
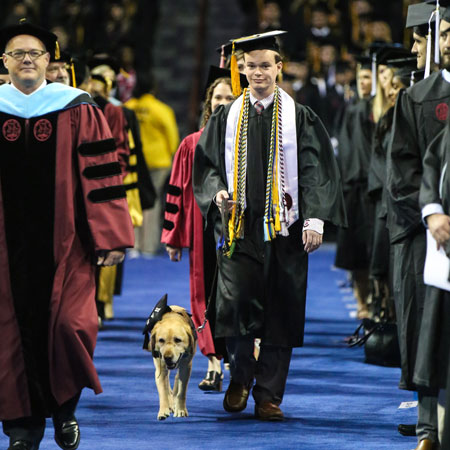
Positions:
(333, 400)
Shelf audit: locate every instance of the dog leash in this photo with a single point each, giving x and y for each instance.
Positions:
(211, 293)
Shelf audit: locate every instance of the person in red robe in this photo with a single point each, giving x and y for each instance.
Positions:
(63, 211)
(184, 228)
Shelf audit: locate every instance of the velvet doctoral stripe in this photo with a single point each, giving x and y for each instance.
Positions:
(27, 172)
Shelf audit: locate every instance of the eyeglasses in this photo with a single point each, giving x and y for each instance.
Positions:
(19, 55)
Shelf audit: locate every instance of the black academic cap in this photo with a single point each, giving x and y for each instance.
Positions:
(101, 59)
(218, 72)
(403, 68)
(419, 14)
(260, 41)
(226, 49)
(81, 70)
(63, 57)
(364, 61)
(48, 38)
(159, 310)
(392, 52)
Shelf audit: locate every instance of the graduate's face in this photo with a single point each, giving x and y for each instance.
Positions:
(261, 71)
(364, 82)
(26, 74)
(419, 49)
(394, 88)
(222, 95)
(57, 72)
(444, 43)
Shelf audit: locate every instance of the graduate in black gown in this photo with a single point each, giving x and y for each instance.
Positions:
(354, 144)
(434, 341)
(283, 188)
(420, 114)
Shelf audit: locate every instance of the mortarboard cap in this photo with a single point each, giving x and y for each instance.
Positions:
(63, 57)
(260, 41)
(365, 62)
(404, 67)
(419, 14)
(48, 38)
(392, 52)
(156, 315)
(219, 72)
(103, 59)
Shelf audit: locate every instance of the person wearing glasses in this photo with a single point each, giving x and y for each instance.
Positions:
(63, 210)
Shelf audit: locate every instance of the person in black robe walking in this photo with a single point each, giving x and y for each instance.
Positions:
(284, 185)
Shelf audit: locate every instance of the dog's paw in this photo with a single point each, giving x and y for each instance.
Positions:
(180, 412)
(163, 414)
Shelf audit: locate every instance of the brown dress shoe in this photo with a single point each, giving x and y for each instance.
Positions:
(268, 411)
(426, 444)
(236, 397)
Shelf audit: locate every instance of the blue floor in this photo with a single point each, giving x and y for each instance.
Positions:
(333, 400)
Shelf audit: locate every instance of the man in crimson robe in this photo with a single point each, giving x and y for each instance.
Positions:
(63, 209)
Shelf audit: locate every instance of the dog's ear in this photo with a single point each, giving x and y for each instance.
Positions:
(191, 344)
(152, 343)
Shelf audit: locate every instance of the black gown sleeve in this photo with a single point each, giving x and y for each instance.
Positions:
(320, 187)
(208, 175)
(404, 167)
(432, 172)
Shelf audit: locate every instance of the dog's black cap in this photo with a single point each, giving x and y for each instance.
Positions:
(159, 310)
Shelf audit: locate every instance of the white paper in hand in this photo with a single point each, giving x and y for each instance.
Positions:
(437, 265)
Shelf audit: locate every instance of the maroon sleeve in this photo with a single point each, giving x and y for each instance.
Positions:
(103, 192)
(177, 230)
(117, 124)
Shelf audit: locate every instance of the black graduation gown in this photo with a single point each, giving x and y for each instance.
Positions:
(262, 287)
(354, 243)
(379, 260)
(434, 342)
(420, 114)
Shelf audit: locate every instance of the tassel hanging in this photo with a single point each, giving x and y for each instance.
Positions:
(428, 56)
(374, 75)
(72, 70)
(57, 51)
(235, 75)
(436, 35)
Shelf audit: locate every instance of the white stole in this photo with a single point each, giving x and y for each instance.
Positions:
(289, 146)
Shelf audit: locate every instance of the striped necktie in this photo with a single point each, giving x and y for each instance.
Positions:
(259, 107)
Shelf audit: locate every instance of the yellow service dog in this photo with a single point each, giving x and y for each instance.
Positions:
(173, 342)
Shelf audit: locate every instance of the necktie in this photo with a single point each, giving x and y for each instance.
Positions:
(259, 107)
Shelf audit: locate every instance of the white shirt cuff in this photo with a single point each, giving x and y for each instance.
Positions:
(431, 208)
(314, 225)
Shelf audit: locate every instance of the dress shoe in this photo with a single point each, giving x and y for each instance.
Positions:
(212, 381)
(426, 444)
(22, 445)
(236, 397)
(67, 434)
(407, 430)
(268, 411)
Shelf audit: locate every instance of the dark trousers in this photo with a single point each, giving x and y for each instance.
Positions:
(269, 372)
(31, 429)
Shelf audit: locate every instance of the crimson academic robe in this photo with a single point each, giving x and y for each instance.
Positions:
(184, 228)
(61, 202)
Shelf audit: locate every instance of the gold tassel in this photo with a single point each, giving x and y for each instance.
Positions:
(235, 75)
(72, 70)
(57, 52)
